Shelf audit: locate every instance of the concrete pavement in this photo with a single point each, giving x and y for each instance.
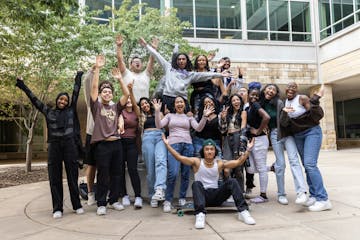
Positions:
(25, 213)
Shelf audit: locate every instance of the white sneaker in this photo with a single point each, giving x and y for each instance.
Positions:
(301, 198)
(310, 202)
(79, 211)
(200, 221)
(117, 206)
(57, 214)
(319, 206)
(126, 200)
(167, 206)
(159, 194)
(138, 202)
(283, 200)
(91, 198)
(154, 203)
(182, 201)
(246, 217)
(101, 210)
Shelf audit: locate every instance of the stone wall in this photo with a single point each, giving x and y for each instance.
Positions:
(280, 73)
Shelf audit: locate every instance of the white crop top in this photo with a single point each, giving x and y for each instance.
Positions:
(295, 104)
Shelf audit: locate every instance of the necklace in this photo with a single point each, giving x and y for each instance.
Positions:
(208, 164)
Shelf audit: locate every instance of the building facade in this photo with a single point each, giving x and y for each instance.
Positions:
(278, 41)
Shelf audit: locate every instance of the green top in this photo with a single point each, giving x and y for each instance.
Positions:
(271, 110)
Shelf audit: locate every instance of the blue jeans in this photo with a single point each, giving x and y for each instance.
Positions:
(185, 149)
(308, 143)
(296, 169)
(198, 144)
(155, 156)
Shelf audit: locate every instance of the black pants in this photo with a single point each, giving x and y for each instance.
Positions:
(59, 151)
(130, 156)
(108, 157)
(238, 172)
(214, 197)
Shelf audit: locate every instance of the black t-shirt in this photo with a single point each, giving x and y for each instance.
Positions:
(211, 130)
(253, 117)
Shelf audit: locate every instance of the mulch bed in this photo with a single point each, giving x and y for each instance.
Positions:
(13, 176)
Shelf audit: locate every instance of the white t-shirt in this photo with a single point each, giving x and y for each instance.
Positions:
(141, 83)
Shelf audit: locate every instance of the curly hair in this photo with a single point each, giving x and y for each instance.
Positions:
(174, 64)
(152, 110)
(274, 100)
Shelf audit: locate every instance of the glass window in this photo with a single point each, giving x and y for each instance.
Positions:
(340, 118)
(324, 13)
(230, 34)
(100, 5)
(257, 36)
(348, 118)
(188, 33)
(206, 13)
(279, 15)
(300, 17)
(301, 37)
(184, 10)
(343, 24)
(118, 3)
(206, 33)
(352, 118)
(256, 15)
(152, 3)
(230, 16)
(280, 36)
(341, 9)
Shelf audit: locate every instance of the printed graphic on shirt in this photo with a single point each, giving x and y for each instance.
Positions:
(108, 113)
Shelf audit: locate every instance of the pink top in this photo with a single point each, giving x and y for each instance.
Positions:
(179, 126)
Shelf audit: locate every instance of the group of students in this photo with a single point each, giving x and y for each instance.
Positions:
(223, 120)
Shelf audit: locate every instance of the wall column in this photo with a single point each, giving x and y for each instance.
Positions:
(328, 122)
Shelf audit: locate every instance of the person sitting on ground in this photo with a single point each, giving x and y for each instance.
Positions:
(206, 191)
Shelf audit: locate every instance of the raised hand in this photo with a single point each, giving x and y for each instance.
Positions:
(131, 85)
(166, 110)
(155, 43)
(223, 113)
(156, 103)
(208, 110)
(225, 73)
(221, 63)
(142, 42)
(191, 54)
(211, 56)
(100, 61)
(119, 40)
(115, 72)
(321, 91)
(240, 71)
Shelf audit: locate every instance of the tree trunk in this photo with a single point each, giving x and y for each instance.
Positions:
(29, 149)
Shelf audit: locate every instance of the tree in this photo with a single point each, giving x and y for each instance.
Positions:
(47, 57)
(34, 12)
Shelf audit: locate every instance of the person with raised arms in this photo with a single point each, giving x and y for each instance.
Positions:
(206, 191)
